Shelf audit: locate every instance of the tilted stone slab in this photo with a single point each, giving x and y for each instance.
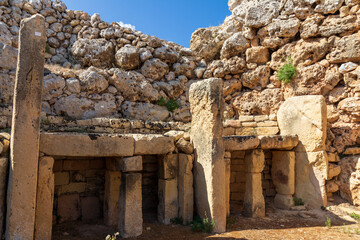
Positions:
(281, 142)
(239, 143)
(86, 145)
(152, 144)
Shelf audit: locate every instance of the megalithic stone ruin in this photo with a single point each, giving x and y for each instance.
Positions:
(206, 103)
(25, 132)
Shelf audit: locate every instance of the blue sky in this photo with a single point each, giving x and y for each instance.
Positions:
(173, 20)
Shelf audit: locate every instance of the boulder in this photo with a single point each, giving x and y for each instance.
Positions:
(92, 81)
(260, 13)
(258, 55)
(347, 49)
(127, 57)
(349, 183)
(144, 111)
(94, 52)
(73, 107)
(234, 45)
(328, 6)
(167, 54)
(8, 56)
(7, 82)
(5, 34)
(154, 69)
(256, 79)
(310, 27)
(53, 86)
(336, 25)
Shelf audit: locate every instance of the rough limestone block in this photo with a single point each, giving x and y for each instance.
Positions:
(111, 198)
(283, 172)
(130, 206)
(333, 171)
(306, 117)
(254, 161)
(227, 184)
(4, 165)
(152, 144)
(287, 142)
(310, 175)
(24, 151)
(44, 199)
(206, 106)
(283, 201)
(239, 143)
(168, 167)
(131, 164)
(86, 145)
(254, 202)
(168, 200)
(185, 185)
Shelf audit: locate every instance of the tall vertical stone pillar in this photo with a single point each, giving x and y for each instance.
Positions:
(25, 132)
(206, 104)
(44, 199)
(306, 117)
(227, 181)
(185, 186)
(111, 197)
(254, 202)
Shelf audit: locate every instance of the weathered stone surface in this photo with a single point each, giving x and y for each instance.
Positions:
(127, 57)
(44, 199)
(4, 165)
(72, 106)
(206, 103)
(94, 52)
(261, 13)
(254, 161)
(283, 172)
(254, 202)
(238, 143)
(311, 172)
(53, 86)
(257, 55)
(94, 145)
(8, 56)
(234, 45)
(175, 134)
(335, 25)
(153, 144)
(130, 206)
(90, 208)
(310, 27)
(144, 111)
(185, 146)
(167, 54)
(169, 165)
(328, 6)
(69, 207)
(284, 142)
(227, 183)
(304, 116)
(154, 69)
(131, 164)
(333, 171)
(168, 200)
(111, 198)
(349, 179)
(347, 49)
(92, 81)
(185, 185)
(283, 201)
(256, 79)
(6, 87)
(24, 152)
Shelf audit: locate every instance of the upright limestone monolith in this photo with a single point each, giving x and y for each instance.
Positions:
(25, 132)
(206, 103)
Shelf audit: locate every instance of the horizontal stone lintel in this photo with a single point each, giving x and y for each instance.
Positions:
(102, 145)
(280, 142)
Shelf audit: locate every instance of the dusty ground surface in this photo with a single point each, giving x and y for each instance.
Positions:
(278, 224)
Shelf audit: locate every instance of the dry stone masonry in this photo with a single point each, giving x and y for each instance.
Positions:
(119, 124)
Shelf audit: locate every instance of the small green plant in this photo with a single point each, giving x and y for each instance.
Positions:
(47, 48)
(112, 237)
(161, 102)
(171, 105)
(204, 224)
(177, 221)
(328, 222)
(287, 72)
(357, 231)
(298, 201)
(355, 216)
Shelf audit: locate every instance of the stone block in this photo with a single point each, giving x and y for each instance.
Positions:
(349, 183)
(254, 161)
(86, 145)
(168, 167)
(90, 208)
(74, 187)
(333, 171)
(283, 201)
(184, 146)
(227, 184)
(153, 144)
(306, 117)
(111, 198)
(175, 134)
(62, 178)
(131, 164)
(168, 200)
(4, 165)
(237, 143)
(44, 199)
(254, 202)
(206, 106)
(185, 185)
(69, 207)
(283, 172)
(130, 205)
(287, 142)
(266, 130)
(24, 150)
(311, 170)
(76, 165)
(260, 118)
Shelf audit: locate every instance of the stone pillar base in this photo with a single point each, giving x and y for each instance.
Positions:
(283, 201)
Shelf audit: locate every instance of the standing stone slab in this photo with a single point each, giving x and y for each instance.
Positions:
(4, 165)
(254, 202)
(44, 199)
(227, 184)
(168, 166)
(130, 205)
(168, 200)
(24, 153)
(186, 190)
(111, 198)
(206, 105)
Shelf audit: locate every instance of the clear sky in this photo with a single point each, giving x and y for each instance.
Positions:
(173, 20)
